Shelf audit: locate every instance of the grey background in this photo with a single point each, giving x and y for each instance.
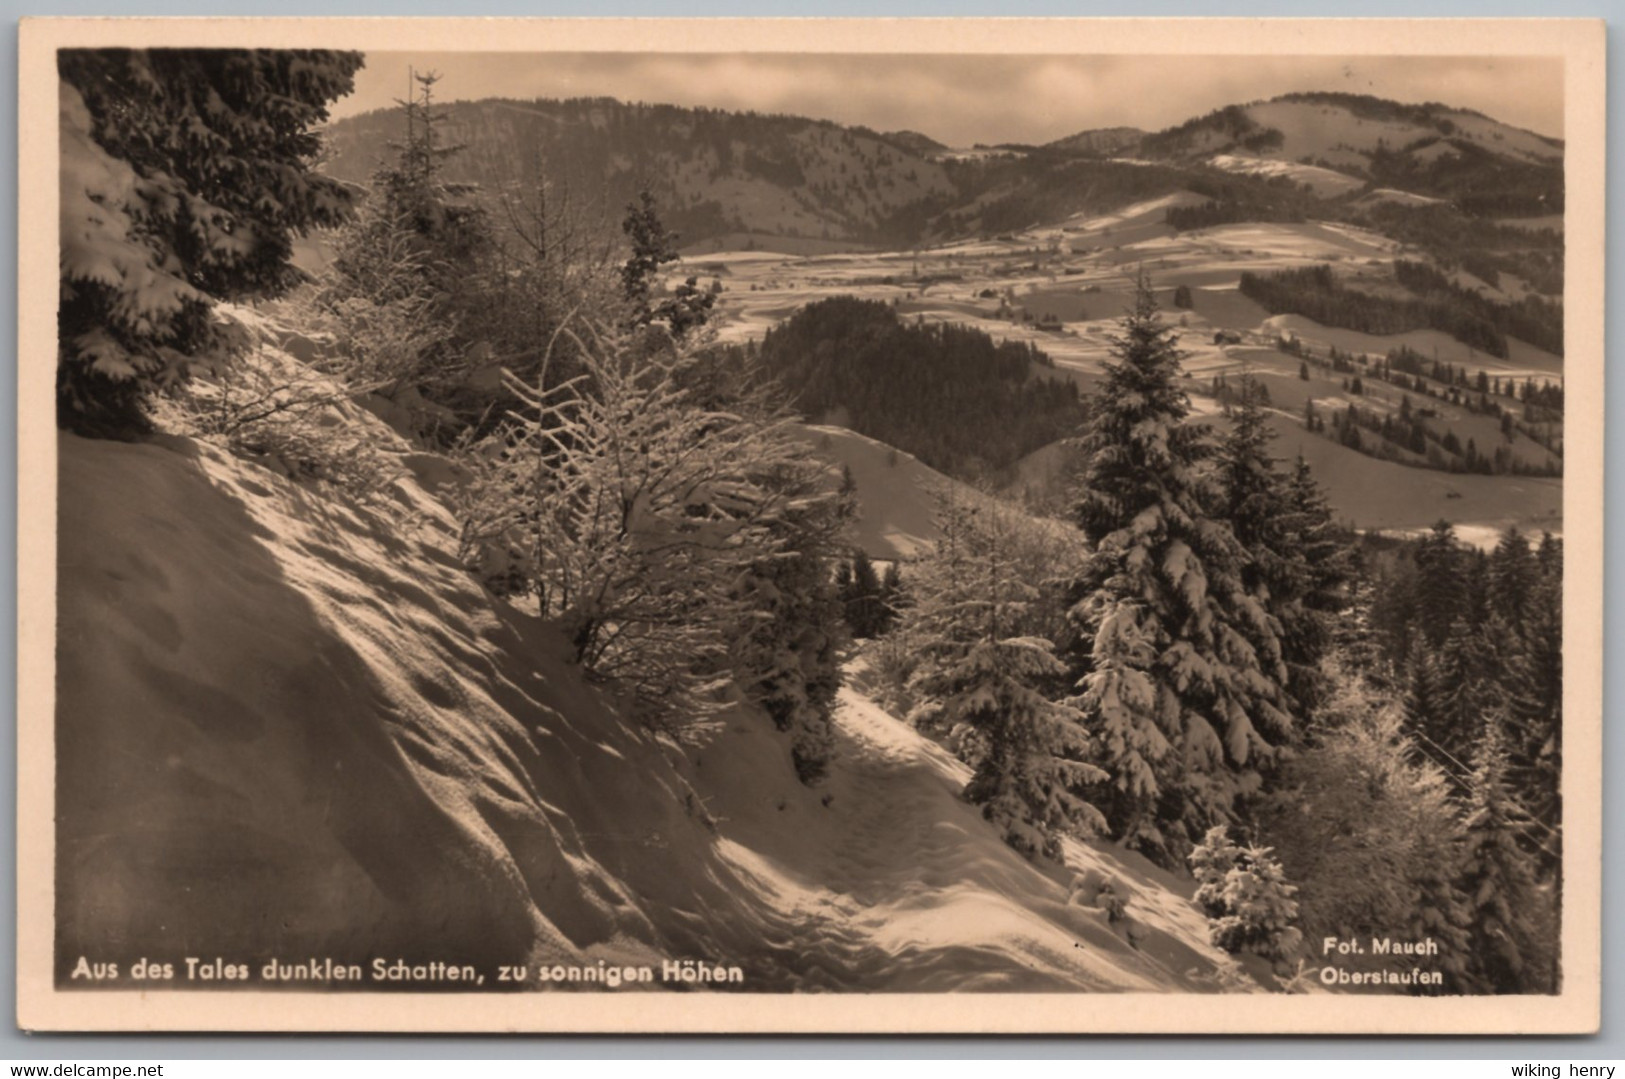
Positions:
(15, 1045)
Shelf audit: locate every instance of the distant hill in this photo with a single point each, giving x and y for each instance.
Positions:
(949, 394)
(915, 143)
(1105, 140)
(713, 172)
(1486, 167)
(1432, 176)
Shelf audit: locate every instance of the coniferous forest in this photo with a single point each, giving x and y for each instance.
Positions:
(948, 394)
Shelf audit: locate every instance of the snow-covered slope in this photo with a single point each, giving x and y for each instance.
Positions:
(288, 725)
(896, 506)
(1327, 183)
(1345, 131)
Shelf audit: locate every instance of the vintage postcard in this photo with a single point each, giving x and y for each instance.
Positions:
(973, 526)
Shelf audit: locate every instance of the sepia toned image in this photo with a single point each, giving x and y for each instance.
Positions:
(743, 526)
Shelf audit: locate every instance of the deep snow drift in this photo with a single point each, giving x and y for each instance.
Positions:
(291, 726)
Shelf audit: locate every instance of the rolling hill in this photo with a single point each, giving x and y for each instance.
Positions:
(784, 183)
(1429, 150)
(1104, 140)
(713, 172)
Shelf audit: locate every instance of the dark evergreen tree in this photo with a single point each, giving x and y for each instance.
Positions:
(689, 305)
(411, 288)
(417, 195)
(1467, 687)
(1354, 638)
(1534, 686)
(186, 173)
(861, 597)
(1183, 676)
(788, 660)
(891, 594)
(1441, 584)
(1426, 710)
(1284, 525)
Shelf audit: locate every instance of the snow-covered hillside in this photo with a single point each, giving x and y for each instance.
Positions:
(291, 724)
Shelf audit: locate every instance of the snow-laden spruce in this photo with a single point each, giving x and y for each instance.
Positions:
(185, 174)
(985, 676)
(1183, 673)
(1295, 565)
(1245, 894)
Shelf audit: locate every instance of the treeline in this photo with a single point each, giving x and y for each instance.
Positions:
(1234, 198)
(1426, 797)
(1367, 107)
(1231, 212)
(1451, 238)
(1439, 304)
(847, 181)
(1477, 180)
(950, 395)
(1481, 247)
(1409, 437)
(1475, 640)
(1474, 643)
(1230, 127)
(1316, 293)
(1530, 319)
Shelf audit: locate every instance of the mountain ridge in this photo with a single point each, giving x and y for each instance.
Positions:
(718, 173)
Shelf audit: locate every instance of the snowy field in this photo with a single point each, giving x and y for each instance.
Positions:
(1080, 272)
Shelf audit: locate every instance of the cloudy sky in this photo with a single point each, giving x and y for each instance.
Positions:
(962, 100)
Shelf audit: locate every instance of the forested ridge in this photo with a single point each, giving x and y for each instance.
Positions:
(1437, 304)
(813, 179)
(948, 394)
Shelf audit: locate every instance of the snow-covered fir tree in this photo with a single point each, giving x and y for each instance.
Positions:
(1182, 676)
(1246, 897)
(983, 679)
(1509, 917)
(186, 173)
(1294, 562)
(416, 284)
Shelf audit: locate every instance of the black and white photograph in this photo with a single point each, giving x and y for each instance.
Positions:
(772, 526)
